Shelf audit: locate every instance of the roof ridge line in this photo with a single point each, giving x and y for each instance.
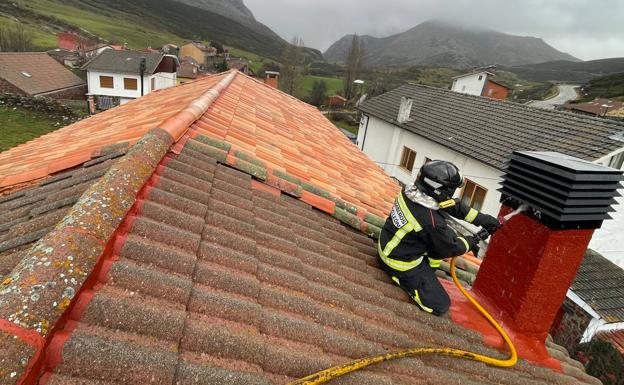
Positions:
(180, 123)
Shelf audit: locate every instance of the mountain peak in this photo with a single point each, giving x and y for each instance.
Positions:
(449, 43)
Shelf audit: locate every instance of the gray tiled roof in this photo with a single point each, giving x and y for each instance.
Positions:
(600, 283)
(490, 130)
(124, 61)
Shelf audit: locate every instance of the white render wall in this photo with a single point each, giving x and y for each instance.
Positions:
(163, 80)
(384, 145)
(609, 239)
(472, 84)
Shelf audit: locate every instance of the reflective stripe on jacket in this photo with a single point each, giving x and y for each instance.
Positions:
(413, 232)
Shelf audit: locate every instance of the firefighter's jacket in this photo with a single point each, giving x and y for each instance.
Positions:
(414, 234)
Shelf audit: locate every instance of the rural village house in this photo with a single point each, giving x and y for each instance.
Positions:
(202, 53)
(598, 107)
(38, 74)
(480, 83)
(402, 129)
(116, 77)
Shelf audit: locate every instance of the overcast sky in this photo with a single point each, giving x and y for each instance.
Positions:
(583, 28)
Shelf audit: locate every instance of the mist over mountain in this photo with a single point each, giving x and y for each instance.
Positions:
(441, 43)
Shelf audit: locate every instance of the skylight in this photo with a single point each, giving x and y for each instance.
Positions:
(26, 74)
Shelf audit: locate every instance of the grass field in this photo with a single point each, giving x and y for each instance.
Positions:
(334, 85)
(19, 126)
(341, 124)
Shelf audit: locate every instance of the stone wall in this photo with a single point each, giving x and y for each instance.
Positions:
(8, 88)
(571, 326)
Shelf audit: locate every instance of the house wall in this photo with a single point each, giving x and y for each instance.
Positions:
(8, 88)
(192, 51)
(384, 142)
(71, 93)
(162, 80)
(608, 239)
(470, 84)
(495, 91)
(570, 324)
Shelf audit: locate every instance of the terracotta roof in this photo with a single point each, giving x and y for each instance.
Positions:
(195, 259)
(600, 283)
(36, 72)
(289, 135)
(124, 61)
(490, 130)
(596, 106)
(75, 144)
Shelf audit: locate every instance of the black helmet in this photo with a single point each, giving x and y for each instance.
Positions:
(439, 179)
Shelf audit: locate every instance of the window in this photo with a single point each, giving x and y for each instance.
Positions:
(153, 84)
(130, 84)
(473, 195)
(407, 159)
(106, 82)
(480, 77)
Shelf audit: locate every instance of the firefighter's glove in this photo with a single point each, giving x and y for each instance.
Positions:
(490, 224)
(473, 244)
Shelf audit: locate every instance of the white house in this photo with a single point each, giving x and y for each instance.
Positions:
(401, 129)
(116, 77)
(480, 83)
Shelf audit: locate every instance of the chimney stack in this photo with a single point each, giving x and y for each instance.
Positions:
(272, 78)
(404, 110)
(533, 259)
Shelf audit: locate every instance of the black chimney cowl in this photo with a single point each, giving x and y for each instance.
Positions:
(562, 192)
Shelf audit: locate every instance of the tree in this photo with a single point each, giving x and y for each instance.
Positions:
(218, 46)
(318, 93)
(602, 361)
(15, 38)
(291, 65)
(223, 66)
(355, 61)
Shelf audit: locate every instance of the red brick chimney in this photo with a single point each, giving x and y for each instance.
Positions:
(532, 260)
(272, 78)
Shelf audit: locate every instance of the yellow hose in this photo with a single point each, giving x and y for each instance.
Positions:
(337, 371)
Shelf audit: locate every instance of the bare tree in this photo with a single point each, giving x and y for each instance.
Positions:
(15, 38)
(355, 61)
(291, 65)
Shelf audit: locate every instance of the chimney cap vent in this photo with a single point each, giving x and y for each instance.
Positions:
(565, 192)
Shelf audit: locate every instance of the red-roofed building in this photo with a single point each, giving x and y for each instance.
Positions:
(480, 83)
(217, 232)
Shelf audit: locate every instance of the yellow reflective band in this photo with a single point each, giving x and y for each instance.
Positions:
(447, 203)
(418, 301)
(465, 243)
(408, 214)
(395, 263)
(396, 280)
(435, 262)
(472, 214)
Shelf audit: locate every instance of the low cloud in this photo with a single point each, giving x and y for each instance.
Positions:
(585, 29)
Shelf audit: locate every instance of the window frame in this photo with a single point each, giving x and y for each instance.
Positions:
(405, 159)
(473, 194)
(136, 84)
(153, 84)
(112, 81)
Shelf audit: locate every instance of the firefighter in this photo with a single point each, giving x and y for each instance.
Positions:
(415, 237)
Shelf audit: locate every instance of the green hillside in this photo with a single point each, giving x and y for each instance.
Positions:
(611, 86)
(140, 23)
(568, 71)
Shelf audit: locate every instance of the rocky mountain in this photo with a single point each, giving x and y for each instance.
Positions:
(441, 43)
(233, 9)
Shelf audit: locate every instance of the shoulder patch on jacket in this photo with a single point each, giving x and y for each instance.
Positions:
(398, 218)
